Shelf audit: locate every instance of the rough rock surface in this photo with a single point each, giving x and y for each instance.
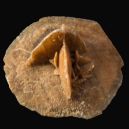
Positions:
(38, 89)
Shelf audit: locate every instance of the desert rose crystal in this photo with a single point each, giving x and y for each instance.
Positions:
(63, 66)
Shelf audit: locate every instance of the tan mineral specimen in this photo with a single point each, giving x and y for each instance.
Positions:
(63, 66)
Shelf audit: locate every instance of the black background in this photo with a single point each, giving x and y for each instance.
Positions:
(113, 17)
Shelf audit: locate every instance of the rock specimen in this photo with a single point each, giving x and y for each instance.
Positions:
(62, 66)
